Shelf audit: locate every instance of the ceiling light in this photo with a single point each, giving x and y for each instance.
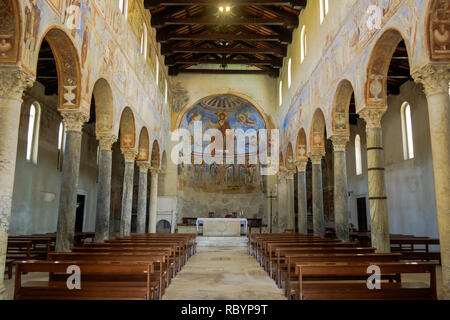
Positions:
(221, 9)
(227, 9)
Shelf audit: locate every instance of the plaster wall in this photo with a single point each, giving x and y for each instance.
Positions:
(409, 183)
(37, 187)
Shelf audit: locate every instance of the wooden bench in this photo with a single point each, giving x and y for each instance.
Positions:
(350, 290)
(292, 260)
(158, 259)
(131, 281)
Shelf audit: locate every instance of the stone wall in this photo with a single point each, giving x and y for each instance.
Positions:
(409, 183)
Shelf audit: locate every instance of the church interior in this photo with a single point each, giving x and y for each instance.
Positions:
(235, 149)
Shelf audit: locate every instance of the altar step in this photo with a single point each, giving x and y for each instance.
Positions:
(222, 241)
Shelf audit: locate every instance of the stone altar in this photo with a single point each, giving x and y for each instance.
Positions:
(216, 227)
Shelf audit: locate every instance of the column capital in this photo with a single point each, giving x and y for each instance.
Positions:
(301, 165)
(316, 157)
(281, 175)
(154, 171)
(434, 78)
(74, 119)
(340, 142)
(144, 166)
(14, 81)
(290, 174)
(129, 154)
(372, 116)
(106, 140)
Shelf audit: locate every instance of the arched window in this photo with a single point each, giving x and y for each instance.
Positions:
(289, 73)
(33, 133)
(123, 7)
(281, 93)
(408, 141)
(61, 144)
(358, 158)
(303, 47)
(144, 41)
(323, 10)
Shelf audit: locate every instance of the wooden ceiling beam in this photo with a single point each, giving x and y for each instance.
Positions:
(174, 71)
(172, 61)
(152, 4)
(277, 51)
(163, 37)
(160, 22)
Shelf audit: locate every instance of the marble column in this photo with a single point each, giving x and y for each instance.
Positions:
(379, 219)
(142, 196)
(340, 187)
(290, 199)
(106, 140)
(73, 123)
(302, 200)
(153, 200)
(127, 194)
(317, 194)
(13, 82)
(435, 79)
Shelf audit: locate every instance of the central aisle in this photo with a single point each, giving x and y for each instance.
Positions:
(222, 273)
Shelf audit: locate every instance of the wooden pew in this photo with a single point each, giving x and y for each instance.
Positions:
(131, 281)
(308, 289)
(282, 252)
(407, 246)
(158, 259)
(294, 259)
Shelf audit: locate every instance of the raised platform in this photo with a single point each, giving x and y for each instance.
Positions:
(222, 241)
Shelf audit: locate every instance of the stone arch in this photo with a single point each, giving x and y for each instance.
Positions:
(67, 66)
(127, 129)
(301, 153)
(10, 31)
(104, 106)
(156, 159)
(290, 160)
(438, 46)
(144, 145)
(340, 111)
(317, 136)
(378, 67)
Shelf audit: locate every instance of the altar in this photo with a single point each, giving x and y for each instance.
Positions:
(221, 227)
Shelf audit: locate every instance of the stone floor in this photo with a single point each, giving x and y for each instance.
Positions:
(222, 273)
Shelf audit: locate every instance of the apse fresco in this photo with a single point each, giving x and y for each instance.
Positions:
(222, 113)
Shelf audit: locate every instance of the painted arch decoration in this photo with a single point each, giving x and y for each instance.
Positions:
(9, 31)
(439, 30)
(223, 112)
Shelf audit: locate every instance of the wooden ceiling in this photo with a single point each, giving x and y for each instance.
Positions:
(251, 38)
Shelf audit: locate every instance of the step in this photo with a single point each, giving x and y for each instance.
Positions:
(222, 241)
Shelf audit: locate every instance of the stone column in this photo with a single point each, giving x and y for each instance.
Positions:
(302, 200)
(12, 84)
(282, 204)
(290, 199)
(106, 140)
(73, 121)
(340, 187)
(317, 194)
(142, 196)
(127, 194)
(435, 79)
(153, 200)
(379, 219)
